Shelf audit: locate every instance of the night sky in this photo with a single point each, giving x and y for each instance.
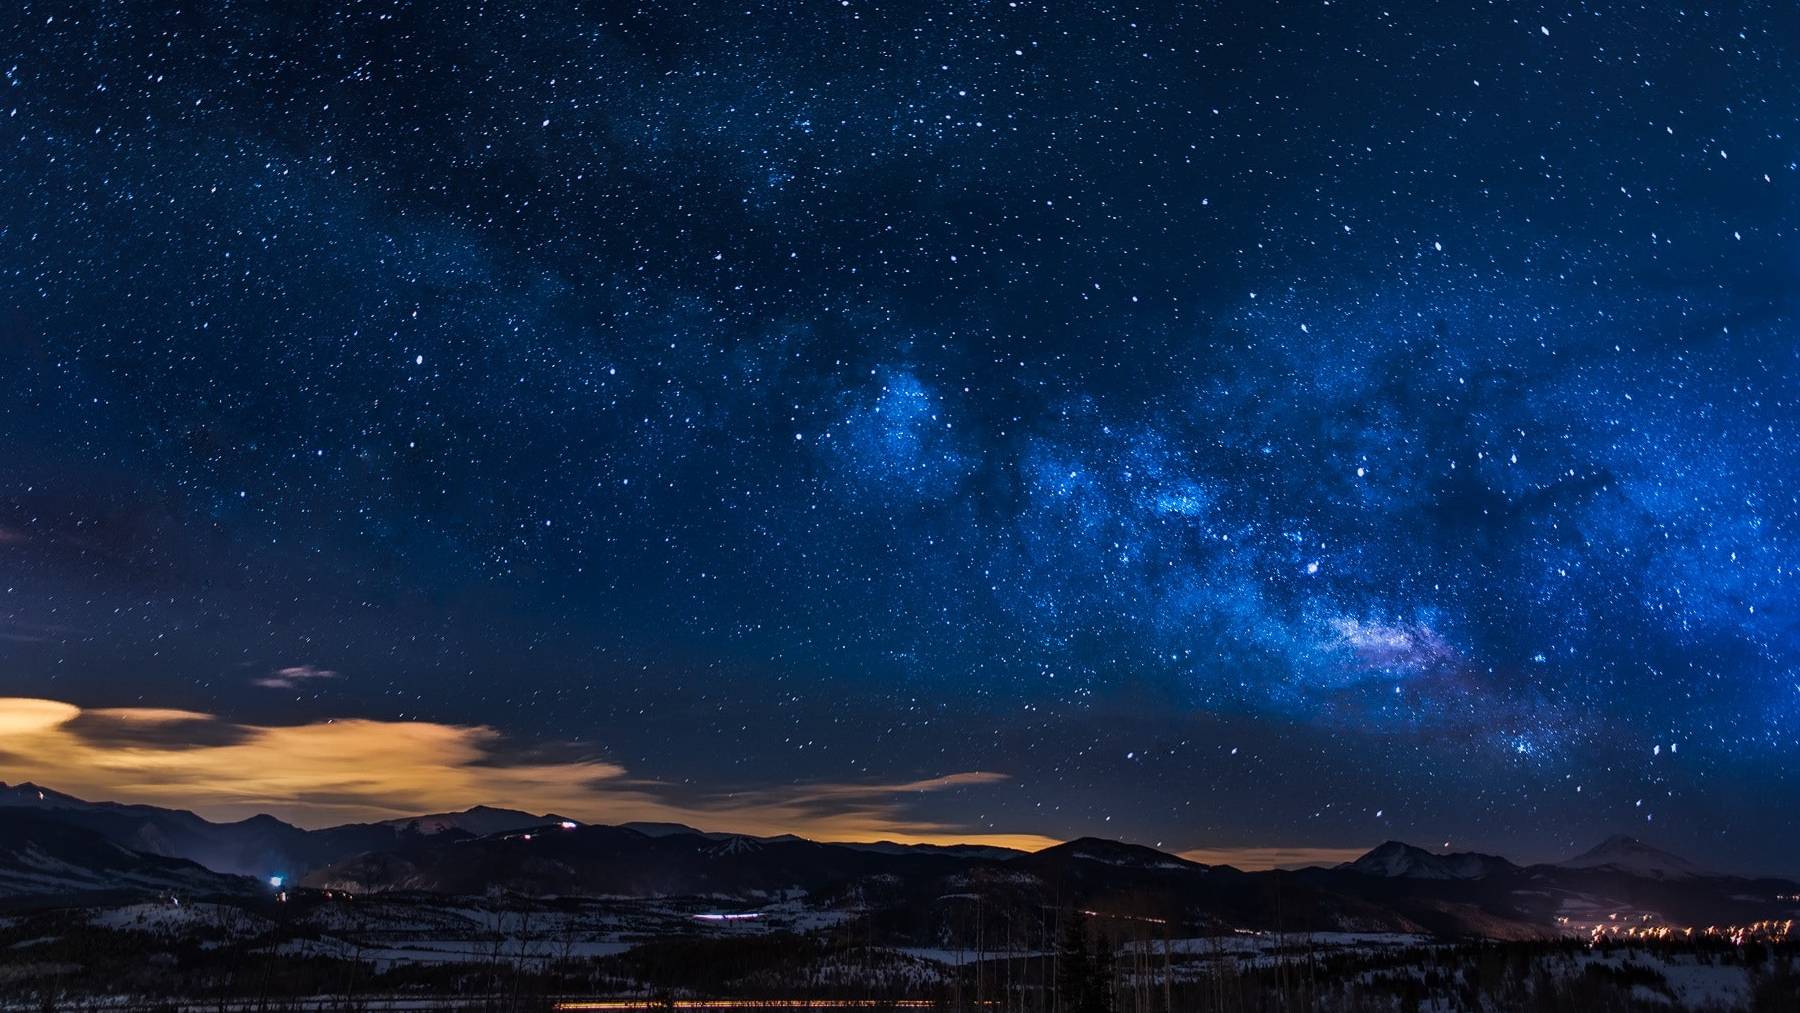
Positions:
(1245, 428)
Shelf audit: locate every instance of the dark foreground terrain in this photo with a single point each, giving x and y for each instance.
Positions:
(316, 953)
(115, 907)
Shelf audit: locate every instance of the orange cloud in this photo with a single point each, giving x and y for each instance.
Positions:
(351, 770)
(340, 771)
(1250, 859)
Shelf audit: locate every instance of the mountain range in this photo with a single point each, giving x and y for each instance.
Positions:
(53, 844)
(42, 855)
(261, 846)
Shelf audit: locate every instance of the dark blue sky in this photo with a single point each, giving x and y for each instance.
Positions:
(1248, 424)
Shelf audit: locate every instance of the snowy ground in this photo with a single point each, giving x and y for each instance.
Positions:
(167, 919)
(396, 931)
(1695, 984)
(1252, 943)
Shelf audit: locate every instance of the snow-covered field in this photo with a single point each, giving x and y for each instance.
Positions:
(168, 919)
(1694, 984)
(400, 935)
(1256, 943)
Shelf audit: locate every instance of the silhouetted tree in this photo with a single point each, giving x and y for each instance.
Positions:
(1084, 968)
(1072, 970)
(1102, 977)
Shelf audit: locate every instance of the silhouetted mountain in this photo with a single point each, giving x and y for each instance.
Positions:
(963, 850)
(1620, 853)
(479, 821)
(261, 846)
(1116, 854)
(907, 882)
(618, 861)
(1397, 860)
(1475, 894)
(1394, 888)
(649, 829)
(43, 855)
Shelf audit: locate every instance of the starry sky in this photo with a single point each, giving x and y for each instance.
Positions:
(1253, 429)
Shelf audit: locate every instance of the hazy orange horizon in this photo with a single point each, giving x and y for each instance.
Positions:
(349, 770)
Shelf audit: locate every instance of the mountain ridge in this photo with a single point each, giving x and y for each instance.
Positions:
(259, 846)
(1624, 853)
(270, 841)
(1395, 887)
(1397, 859)
(42, 855)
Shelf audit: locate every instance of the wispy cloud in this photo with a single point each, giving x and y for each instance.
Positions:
(966, 779)
(1272, 858)
(327, 772)
(22, 632)
(292, 676)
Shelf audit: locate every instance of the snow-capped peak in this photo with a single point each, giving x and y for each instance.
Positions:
(1628, 854)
